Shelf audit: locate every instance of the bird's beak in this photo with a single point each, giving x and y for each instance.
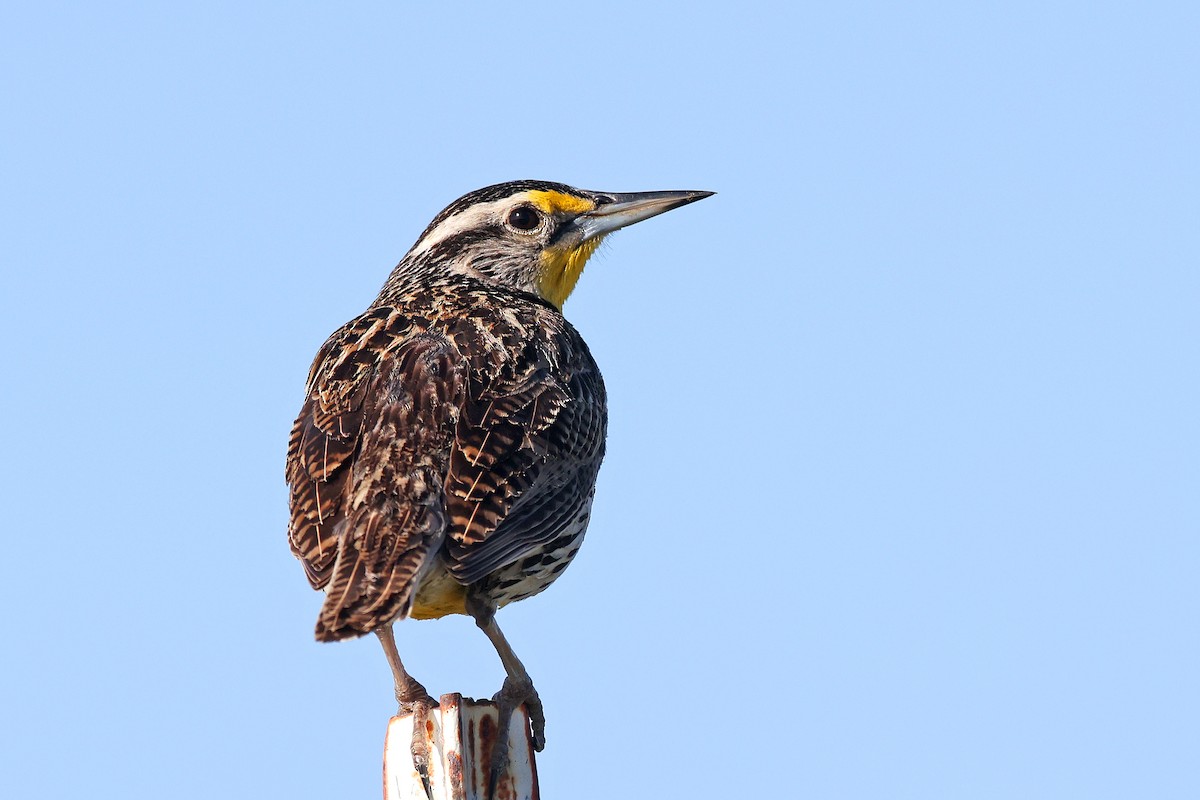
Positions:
(614, 210)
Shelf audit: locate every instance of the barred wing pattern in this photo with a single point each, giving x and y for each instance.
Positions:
(409, 457)
(523, 468)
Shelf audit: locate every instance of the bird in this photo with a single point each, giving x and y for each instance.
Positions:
(445, 456)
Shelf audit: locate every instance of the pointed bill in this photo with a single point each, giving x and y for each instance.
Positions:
(618, 210)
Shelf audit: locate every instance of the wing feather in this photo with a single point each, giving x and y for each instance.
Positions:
(525, 457)
(326, 434)
(366, 460)
(472, 446)
(395, 516)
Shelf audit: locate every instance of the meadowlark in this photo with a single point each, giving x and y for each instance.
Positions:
(445, 458)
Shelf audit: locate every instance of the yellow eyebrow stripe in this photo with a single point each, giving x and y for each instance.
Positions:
(560, 203)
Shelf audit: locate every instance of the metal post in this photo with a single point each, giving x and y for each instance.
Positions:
(460, 733)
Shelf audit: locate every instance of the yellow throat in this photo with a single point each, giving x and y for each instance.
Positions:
(561, 270)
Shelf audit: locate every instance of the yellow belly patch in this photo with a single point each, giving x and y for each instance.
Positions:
(439, 595)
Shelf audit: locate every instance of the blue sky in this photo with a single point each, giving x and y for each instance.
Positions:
(901, 494)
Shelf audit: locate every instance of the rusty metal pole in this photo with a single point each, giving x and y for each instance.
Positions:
(460, 733)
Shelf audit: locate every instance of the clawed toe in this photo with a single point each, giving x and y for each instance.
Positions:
(512, 695)
(517, 692)
(410, 705)
(419, 708)
(537, 721)
(412, 699)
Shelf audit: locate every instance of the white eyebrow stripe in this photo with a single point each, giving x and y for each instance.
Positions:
(475, 216)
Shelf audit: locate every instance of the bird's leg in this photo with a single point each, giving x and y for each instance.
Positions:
(517, 689)
(414, 700)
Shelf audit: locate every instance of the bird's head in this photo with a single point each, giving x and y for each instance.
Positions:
(530, 235)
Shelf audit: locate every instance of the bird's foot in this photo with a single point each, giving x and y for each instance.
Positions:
(514, 693)
(415, 701)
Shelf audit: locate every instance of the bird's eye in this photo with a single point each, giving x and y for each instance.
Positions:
(524, 218)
